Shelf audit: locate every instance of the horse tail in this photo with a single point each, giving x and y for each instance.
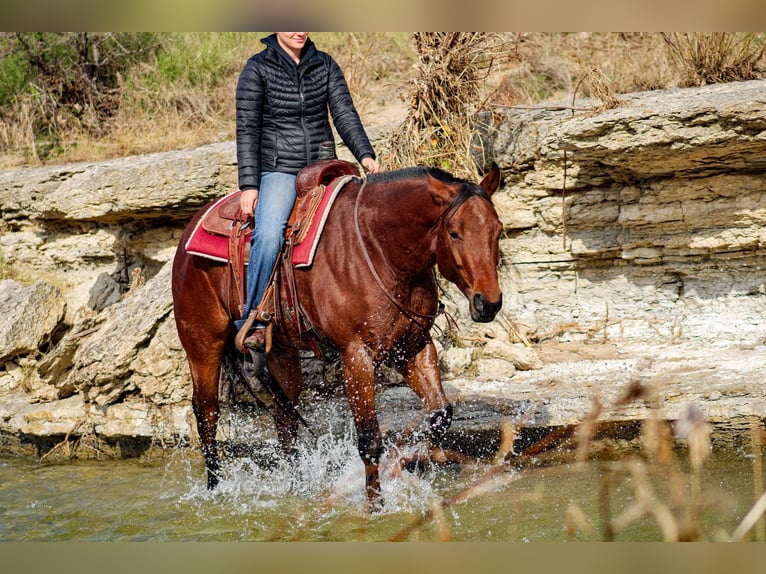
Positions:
(263, 388)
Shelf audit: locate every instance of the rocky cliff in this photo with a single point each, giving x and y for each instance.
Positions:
(636, 233)
(96, 240)
(648, 217)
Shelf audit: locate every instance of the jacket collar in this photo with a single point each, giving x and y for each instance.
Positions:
(309, 49)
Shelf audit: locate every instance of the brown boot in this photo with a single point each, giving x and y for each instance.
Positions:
(255, 340)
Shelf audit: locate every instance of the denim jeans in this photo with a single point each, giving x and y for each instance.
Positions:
(276, 197)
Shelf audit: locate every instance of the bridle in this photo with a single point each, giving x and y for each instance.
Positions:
(422, 320)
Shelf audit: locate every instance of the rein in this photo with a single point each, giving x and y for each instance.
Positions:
(411, 314)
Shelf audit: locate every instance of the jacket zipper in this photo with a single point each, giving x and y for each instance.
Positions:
(302, 96)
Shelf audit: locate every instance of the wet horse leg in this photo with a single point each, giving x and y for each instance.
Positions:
(423, 376)
(359, 383)
(286, 371)
(205, 377)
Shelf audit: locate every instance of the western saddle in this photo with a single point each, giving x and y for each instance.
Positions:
(227, 220)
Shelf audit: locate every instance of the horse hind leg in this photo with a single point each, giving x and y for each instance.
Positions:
(284, 380)
(205, 407)
(207, 424)
(205, 373)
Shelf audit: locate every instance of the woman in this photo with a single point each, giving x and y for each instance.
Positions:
(285, 96)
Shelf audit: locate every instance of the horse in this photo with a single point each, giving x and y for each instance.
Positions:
(371, 294)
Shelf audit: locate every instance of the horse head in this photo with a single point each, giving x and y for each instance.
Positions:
(467, 241)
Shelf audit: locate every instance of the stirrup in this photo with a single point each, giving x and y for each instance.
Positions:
(255, 365)
(242, 333)
(255, 315)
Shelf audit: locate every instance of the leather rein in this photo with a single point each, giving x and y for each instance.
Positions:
(418, 318)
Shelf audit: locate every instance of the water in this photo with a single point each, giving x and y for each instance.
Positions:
(321, 498)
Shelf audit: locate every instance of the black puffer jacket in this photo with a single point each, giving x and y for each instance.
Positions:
(282, 112)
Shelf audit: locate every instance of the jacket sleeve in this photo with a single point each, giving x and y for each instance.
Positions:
(345, 117)
(249, 109)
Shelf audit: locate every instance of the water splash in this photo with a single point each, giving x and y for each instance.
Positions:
(326, 474)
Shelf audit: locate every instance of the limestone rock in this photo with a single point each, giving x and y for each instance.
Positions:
(662, 215)
(493, 369)
(456, 360)
(104, 292)
(655, 237)
(139, 419)
(55, 366)
(55, 418)
(522, 357)
(102, 363)
(166, 185)
(28, 316)
(160, 370)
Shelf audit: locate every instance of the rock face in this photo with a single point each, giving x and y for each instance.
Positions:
(29, 318)
(647, 219)
(87, 226)
(628, 230)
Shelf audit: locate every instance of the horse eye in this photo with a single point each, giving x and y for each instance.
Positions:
(454, 234)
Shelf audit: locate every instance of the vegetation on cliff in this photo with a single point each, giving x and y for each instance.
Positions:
(91, 96)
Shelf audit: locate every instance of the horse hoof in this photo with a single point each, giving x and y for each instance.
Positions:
(439, 423)
(212, 480)
(414, 466)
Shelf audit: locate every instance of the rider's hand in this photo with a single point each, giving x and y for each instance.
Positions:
(247, 201)
(370, 165)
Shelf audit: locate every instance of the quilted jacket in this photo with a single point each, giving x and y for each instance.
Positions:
(282, 112)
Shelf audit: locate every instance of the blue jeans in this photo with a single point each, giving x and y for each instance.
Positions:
(276, 197)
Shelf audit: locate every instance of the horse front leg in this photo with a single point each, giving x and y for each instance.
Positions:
(422, 375)
(359, 383)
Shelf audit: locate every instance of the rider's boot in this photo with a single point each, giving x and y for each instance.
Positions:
(256, 341)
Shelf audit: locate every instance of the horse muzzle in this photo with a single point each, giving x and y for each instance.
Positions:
(483, 310)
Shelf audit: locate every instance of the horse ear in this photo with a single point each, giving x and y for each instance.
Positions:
(491, 181)
(441, 192)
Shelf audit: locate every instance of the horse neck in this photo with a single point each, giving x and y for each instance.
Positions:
(405, 221)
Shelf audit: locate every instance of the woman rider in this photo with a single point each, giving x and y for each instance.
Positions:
(285, 96)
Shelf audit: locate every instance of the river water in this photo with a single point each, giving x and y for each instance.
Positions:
(320, 497)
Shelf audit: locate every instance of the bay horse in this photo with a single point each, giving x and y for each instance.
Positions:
(371, 293)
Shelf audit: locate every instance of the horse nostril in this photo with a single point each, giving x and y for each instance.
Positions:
(486, 308)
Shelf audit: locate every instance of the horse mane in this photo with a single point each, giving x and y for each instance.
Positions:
(466, 190)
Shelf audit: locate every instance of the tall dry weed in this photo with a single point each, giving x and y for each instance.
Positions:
(554, 66)
(657, 488)
(713, 57)
(443, 97)
(601, 90)
(372, 63)
(17, 134)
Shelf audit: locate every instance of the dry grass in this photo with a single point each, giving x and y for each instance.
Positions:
(447, 91)
(81, 436)
(554, 66)
(713, 57)
(375, 64)
(601, 90)
(185, 97)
